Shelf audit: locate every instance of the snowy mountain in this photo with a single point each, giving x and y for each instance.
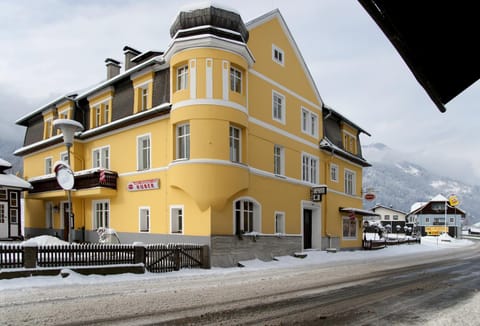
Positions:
(399, 182)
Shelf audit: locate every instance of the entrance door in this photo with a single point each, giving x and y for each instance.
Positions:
(3, 220)
(307, 228)
(65, 220)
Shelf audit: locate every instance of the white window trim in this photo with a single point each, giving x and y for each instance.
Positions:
(101, 157)
(239, 143)
(235, 69)
(280, 62)
(182, 84)
(282, 159)
(317, 169)
(176, 207)
(94, 211)
(177, 141)
(150, 152)
(354, 182)
(275, 222)
(50, 158)
(306, 126)
(337, 169)
(356, 228)
(62, 154)
(140, 209)
(257, 214)
(283, 107)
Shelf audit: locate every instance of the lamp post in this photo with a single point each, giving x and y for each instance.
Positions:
(68, 128)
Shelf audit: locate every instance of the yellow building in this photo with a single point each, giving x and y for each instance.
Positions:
(219, 140)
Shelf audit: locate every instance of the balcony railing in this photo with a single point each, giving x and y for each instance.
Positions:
(85, 179)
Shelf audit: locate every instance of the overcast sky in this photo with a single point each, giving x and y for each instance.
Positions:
(49, 48)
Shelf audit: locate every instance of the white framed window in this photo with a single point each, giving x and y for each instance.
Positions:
(48, 165)
(48, 128)
(278, 107)
(183, 141)
(13, 215)
(176, 219)
(278, 55)
(387, 217)
(349, 228)
(64, 157)
(395, 217)
(247, 216)
(280, 222)
(143, 98)
(101, 213)
(101, 157)
(49, 215)
(144, 219)
(143, 152)
(278, 160)
(182, 77)
(235, 80)
(309, 168)
(350, 184)
(334, 172)
(309, 122)
(98, 116)
(235, 144)
(63, 114)
(106, 113)
(13, 199)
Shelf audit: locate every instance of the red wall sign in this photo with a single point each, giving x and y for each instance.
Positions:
(369, 196)
(143, 185)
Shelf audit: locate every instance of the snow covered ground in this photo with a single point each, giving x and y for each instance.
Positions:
(430, 246)
(314, 257)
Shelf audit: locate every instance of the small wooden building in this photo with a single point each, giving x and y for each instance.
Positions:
(11, 188)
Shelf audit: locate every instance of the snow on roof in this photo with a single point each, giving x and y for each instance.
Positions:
(439, 197)
(10, 180)
(206, 4)
(5, 164)
(417, 206)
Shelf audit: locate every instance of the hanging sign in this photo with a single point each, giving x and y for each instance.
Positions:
(143, 185)
(369, 196)
(453, 200)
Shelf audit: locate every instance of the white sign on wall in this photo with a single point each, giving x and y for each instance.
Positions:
(141, 185)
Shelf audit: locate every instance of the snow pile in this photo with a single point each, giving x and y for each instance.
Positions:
(446, 241)
(45, 240)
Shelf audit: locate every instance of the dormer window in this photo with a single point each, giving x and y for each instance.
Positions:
(143, 90)
(277, 55)
(48, 128)
(349, 143)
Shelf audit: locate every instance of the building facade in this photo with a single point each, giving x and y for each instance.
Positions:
(216, 141)
(11, 188)
(391, 216)
(436, 217)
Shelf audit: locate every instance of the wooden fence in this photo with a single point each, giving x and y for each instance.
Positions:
(157, 258)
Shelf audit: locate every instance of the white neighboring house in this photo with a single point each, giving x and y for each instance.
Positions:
(11, 213)
(391, 216)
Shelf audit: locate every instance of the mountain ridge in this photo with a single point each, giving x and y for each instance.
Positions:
(399, 182)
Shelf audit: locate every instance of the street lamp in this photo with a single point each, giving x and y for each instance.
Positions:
(398, 229)
(68, 128)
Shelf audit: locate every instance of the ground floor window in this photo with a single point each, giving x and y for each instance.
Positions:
(176, 219)
(280, 222)
(101, 214)
(246, 216)
(144, 219)
(349, 227)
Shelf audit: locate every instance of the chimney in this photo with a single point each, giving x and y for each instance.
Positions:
(113, 67)
(130, 53)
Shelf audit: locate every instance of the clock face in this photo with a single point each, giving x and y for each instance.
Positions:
(65, 178)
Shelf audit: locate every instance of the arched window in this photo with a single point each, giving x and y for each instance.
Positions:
(246, 216)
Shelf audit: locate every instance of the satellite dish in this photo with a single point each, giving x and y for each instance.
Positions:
(64, 174)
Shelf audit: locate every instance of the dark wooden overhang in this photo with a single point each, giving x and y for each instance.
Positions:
(83, 180)
(436, 39)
